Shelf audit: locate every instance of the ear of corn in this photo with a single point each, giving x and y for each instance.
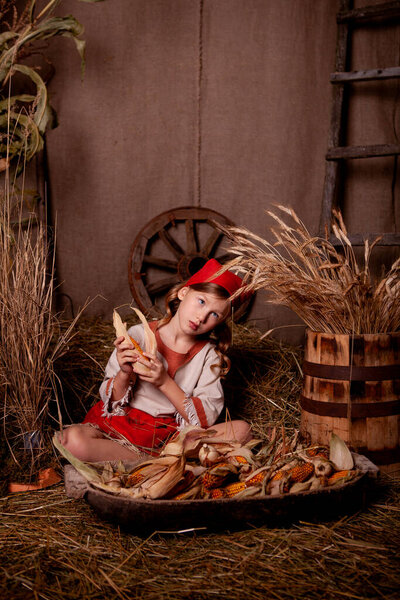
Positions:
(189, 494)
(301, 472)
(339, 476)
(256, 479)
(234, 488)
(150, 339)
(136, 345)
(241, 459)
(215, 476)
(319, 452)
(217, 493)
(211, 481)
(278, 475)
(135, 478)
(182, 485)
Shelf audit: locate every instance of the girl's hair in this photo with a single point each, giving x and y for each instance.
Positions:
(221, 335)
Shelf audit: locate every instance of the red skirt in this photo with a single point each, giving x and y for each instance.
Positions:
(140, 428)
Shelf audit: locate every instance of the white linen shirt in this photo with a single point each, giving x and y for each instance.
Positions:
(200, 383)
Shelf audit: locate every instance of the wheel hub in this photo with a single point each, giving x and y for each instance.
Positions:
(190, 264)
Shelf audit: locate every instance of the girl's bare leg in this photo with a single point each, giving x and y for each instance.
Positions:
(238, 431)
(89, 444)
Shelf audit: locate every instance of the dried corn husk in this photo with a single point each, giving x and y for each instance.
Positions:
(168, 481)
(322, 467)
(244, 452)
(208, 455)
(90, 473)
(217, 474)
(187, 441)
(339, 454)
(300, 486)
(158, 476)
(254, 475)
(150, 340)
(275, 488)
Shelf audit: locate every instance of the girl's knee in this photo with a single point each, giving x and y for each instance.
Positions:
(76, 439)
(242, 431)
(237, 430)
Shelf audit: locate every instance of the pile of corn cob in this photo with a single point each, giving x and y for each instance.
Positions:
(193, 466)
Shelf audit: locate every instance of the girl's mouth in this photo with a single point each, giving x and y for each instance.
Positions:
(193, 326)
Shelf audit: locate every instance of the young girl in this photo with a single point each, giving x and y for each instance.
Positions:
(183, 384)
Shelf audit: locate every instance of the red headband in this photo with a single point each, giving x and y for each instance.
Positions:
(229, 281)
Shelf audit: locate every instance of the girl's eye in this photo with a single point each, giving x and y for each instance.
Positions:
(215, 315)
(201, 301)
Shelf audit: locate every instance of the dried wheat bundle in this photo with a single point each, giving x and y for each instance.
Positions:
(31, 339)
(323, 285)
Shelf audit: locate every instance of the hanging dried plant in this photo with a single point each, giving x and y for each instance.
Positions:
(322, 284)
(24, 117)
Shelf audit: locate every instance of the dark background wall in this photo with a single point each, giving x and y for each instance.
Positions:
(223, 104)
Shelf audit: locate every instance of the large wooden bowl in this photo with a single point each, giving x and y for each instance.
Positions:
(143, 516)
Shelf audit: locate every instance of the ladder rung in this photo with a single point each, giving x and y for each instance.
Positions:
(369, 14)
(358, 239)
(370, 75)
(347, 152)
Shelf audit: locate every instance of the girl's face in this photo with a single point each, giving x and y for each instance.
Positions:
(200, 312)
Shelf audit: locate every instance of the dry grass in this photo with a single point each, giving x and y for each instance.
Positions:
(57, 547)
(30, 330)
(323, 285)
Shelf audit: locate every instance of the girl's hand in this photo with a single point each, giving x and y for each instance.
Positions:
(157, 374)
(126, 356)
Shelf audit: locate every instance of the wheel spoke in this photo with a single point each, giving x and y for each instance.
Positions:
(191, 246)
(162, 285)
(171, 243)
(224, 258)
(160, 262)
(211, 242)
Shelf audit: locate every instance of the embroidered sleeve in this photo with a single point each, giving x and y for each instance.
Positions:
(116, 408)
(207, 395)
(195, 412)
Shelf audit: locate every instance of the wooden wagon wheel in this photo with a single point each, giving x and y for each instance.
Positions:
(171, 248)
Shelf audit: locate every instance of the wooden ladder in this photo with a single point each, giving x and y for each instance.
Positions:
(347, 18)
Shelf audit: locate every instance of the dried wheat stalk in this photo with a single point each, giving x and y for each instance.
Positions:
(31, 340)
(323, 285)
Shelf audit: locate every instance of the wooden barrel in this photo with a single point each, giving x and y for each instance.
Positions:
(351, 387)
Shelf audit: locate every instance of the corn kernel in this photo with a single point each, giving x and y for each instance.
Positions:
(337, 476)
(259, 478)
(135, 478)
(301, 472)
(241, 460)
(234, 488)
(278, 475)
(217, 493)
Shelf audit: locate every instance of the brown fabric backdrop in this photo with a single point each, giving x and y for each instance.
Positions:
(223, 104)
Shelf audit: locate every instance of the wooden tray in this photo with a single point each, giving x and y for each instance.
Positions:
(143, 515)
